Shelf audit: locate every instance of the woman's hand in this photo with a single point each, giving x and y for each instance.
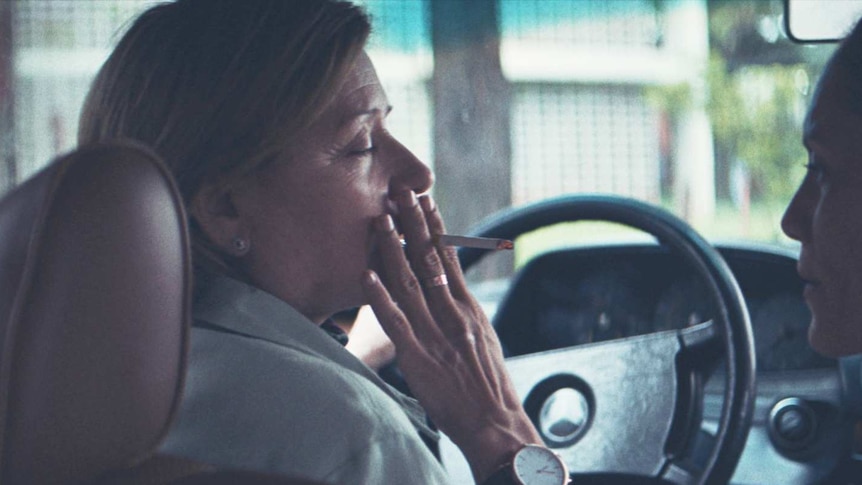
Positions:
(445, 346)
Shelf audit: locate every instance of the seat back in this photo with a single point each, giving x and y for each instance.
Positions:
(95, 285)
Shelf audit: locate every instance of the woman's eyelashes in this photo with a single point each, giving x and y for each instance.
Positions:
(368, 150)
(363, 145)
(815, 168)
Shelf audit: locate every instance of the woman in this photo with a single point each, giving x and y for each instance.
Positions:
(272, 120)
(824, 213)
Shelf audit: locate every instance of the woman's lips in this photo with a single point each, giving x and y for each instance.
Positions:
(810, 287)
(807, 290)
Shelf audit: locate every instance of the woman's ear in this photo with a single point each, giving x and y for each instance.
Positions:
(215, 211)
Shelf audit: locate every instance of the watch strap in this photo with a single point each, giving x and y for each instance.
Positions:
(503, 476)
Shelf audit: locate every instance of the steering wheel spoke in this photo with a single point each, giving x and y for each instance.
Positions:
(700, 347)
(584, 400)
(698, 337)
(679, 475)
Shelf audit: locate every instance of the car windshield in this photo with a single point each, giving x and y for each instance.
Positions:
(692, 105)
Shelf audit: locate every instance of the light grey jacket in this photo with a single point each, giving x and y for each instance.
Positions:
(269, 390)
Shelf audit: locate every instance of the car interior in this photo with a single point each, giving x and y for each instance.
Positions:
(674, 352)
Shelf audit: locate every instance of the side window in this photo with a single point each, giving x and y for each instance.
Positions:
(56, 48)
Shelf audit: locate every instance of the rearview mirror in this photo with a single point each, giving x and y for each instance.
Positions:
(811, 21)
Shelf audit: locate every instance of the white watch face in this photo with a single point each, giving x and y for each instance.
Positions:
(537, 465)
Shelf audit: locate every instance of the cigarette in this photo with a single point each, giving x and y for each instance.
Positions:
(473, 242)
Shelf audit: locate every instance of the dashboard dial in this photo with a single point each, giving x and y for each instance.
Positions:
(602, 306)
(781, 334)
(683, 303)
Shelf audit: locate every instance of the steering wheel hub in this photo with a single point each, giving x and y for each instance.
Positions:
(562, 407)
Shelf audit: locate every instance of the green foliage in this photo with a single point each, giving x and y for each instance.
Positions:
(670, 98)
(758, 85)
(756, 114)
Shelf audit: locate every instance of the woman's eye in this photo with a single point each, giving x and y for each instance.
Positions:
(363, 151)
(362, 145)
(815, 169)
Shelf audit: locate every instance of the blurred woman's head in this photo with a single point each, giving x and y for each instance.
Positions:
(825, 215)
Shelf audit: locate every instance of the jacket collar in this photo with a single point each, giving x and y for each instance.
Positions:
(239, 308)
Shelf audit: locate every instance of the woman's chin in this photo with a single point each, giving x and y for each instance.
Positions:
(829, 341)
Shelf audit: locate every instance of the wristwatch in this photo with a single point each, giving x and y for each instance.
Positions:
(532, 465)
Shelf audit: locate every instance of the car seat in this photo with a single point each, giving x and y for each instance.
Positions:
(95, 289)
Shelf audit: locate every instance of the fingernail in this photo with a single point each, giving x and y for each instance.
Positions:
(385, 223)
(427, 203)
(370, 277)
(407, 199)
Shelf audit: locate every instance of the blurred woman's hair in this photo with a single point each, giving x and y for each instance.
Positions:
(848, 58)
(219, 88)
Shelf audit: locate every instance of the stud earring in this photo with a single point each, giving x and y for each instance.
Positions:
(240, 245)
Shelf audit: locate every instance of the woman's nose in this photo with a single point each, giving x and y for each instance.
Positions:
(797, 217)
(408, 172)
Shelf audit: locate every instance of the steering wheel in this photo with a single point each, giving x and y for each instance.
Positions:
(640, 395)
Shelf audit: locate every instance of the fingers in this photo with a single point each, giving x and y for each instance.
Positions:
(421, 251)
(448, 254)
(420, 220)
(420, 283)
(424, 257)
(391, 318)
(399, 279)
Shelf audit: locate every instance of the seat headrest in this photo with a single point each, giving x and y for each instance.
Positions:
(95, 286)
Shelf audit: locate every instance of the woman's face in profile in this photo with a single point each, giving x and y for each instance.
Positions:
(311, 214)
(825, 216)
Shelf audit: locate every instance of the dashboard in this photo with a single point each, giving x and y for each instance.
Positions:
(584, 295)
(805, 409)
(806, 406)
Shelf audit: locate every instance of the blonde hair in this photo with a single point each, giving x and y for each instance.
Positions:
(219, 88)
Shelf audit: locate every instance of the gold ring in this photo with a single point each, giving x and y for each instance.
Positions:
(439, 280)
